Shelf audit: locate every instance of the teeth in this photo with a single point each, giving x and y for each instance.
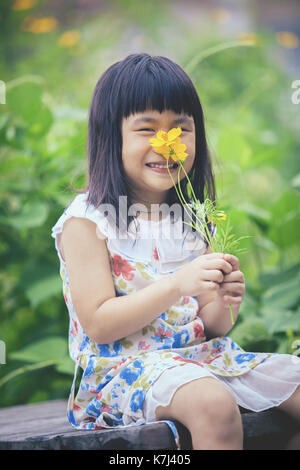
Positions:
(155, 165)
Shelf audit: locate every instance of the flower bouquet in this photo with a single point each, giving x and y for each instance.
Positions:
(169, 145)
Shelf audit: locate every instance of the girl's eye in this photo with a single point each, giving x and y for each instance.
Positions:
(152, 130)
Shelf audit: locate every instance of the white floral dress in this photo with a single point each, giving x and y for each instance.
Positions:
(123, 382)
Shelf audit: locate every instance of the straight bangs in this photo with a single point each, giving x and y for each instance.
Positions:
(157, 86)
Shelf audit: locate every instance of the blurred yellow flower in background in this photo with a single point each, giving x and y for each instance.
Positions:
(220, 15)
(69, 38)
(39, 25)
(20, 5)
(249, 38)
(287, 39)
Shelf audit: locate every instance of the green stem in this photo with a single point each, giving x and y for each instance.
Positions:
(24, 369)
(187, 177)
(174, 183)
(203, 232)
(184, 203)
(24, 79)
(212, 50)
(179, 187)
(209, 240)
(231, 313)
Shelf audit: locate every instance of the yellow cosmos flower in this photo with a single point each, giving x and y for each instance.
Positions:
(249, 38)
(69, 38)
(39, 25)
(169, 144)
(20, 5)
(220, 215)
(287, 39)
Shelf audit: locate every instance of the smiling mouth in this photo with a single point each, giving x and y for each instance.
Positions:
(153, 165)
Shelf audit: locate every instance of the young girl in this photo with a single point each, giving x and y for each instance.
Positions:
(148, 314)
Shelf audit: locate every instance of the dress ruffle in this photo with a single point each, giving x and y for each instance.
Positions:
(267, 385)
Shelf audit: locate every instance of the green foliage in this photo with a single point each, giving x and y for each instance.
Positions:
(43, 129)
(36, 164)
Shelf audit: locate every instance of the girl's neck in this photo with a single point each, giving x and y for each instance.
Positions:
(150, 212)
(151, 215)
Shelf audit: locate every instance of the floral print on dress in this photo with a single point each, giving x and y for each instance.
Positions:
(122, 268)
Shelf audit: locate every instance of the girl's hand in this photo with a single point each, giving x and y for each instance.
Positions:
(203, 275)
(233, 286)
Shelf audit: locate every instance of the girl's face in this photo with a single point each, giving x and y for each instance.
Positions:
(150, 186)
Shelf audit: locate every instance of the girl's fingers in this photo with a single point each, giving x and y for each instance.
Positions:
(228, 299)
(232, 287)
(213, 275)
(233, 260)
(218, 264)
(234, 276)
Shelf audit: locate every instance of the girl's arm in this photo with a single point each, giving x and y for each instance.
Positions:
(213, 312)
(216, 317)
(105, 317)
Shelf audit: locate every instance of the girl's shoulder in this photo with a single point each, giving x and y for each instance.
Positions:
(79, 207)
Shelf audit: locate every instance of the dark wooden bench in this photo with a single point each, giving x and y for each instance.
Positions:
(45, 426)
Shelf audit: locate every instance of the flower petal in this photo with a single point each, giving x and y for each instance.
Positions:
(164, 150)
(179, 148)
(156, 142)
(174, 133)
(162, 135)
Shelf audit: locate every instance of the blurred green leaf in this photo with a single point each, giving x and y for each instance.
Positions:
(47, 349)
(269, 278)
(41, 290)
(260, 216)
(285, 229)
(285, 295)
(42, 122)
(251, 330)
(33, 214)
(25, 100)
(279, 320)
(233, 146)
(66, 366)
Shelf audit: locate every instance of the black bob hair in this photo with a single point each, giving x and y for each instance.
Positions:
(133, 85)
